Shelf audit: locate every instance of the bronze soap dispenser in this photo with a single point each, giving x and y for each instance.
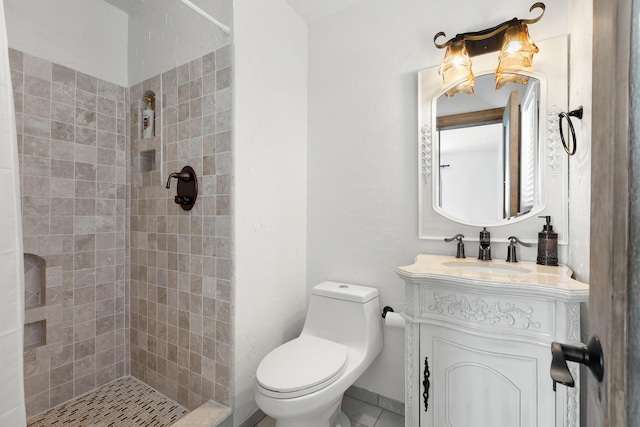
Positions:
(547, 244)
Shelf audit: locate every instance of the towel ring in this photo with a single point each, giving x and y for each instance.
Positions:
(577, 113)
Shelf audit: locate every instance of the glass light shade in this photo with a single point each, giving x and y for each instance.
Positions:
(517, 53)
(503, 78)
(456, 66)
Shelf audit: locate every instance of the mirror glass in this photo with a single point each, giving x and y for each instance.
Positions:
(487, 163)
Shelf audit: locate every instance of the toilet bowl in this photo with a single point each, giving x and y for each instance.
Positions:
(301, 383)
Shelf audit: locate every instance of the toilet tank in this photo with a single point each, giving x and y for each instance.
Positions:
(344, 313)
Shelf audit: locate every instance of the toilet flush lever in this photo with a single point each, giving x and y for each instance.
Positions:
(589, 355)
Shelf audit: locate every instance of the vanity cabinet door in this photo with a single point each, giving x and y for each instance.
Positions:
(484, 381)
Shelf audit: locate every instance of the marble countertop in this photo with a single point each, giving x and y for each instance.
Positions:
(495, 273)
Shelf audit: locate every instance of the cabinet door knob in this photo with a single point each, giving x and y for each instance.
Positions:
(426, 384)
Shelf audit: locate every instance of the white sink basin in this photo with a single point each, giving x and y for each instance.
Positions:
(487, 268)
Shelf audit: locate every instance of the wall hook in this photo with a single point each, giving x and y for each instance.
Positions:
(577, 113)
(187, 188)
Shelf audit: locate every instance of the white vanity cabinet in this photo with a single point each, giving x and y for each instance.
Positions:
(479, 335)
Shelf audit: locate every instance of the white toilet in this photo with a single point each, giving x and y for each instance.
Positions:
(301, 383)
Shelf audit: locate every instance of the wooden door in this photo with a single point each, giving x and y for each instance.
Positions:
(614, 217)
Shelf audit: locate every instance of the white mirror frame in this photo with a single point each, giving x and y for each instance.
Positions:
(550, 66)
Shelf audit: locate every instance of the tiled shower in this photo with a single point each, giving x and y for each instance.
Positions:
(181, 260)
(72, 150)
(120, 280)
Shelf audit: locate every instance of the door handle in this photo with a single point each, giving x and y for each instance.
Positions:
(589, 355)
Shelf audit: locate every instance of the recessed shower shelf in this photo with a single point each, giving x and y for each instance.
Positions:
(35, 334)
(34, 280)
(148, 161)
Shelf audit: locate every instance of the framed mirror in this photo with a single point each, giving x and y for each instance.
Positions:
(493, 159)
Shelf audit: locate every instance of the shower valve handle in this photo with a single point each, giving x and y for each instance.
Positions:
(182, 176)
(186, 189)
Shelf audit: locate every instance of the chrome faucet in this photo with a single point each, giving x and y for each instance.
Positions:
(484, 252)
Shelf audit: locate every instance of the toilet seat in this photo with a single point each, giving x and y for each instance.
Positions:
(301, 366)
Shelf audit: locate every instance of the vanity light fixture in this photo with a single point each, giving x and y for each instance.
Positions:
(516, 53)
(456, 66)
(511, 38)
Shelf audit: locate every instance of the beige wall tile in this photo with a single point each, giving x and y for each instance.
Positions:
(35, 106)
(64, 75)
(37, 87)
(178, 293)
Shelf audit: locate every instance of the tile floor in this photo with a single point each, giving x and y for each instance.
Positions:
(129, 403)
(123, 403)
(361, 414)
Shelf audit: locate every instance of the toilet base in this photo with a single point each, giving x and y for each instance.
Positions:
(332, 416)
(343, 420)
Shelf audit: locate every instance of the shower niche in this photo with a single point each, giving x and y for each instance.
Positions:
(35, 334)
(147, 147)
(35, 327)
(34, 280)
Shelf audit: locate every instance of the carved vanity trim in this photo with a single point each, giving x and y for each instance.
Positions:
(481, 312)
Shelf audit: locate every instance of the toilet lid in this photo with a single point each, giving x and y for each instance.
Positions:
(303, 364)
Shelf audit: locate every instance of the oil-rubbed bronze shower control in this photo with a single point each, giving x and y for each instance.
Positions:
(187, 190)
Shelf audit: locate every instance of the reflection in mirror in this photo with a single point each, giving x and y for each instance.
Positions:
(488, 152)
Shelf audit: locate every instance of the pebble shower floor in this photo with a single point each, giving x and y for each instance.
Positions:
(123, 403)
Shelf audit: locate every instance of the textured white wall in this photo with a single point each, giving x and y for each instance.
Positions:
(164, 34)
(580, 70)
(86, 35)
(362, 192)
(580, 23)
(12, 410)
(270, 185)
(101, 40)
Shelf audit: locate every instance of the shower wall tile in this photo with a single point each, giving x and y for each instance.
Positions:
(181, 260)
(70, 210)
(134, 285)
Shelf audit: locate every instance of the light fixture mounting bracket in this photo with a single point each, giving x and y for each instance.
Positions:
(489, 40)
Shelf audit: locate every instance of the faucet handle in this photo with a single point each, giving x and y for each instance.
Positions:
(511, 250)
(457, 237)
(513, 240)
(460, 249)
